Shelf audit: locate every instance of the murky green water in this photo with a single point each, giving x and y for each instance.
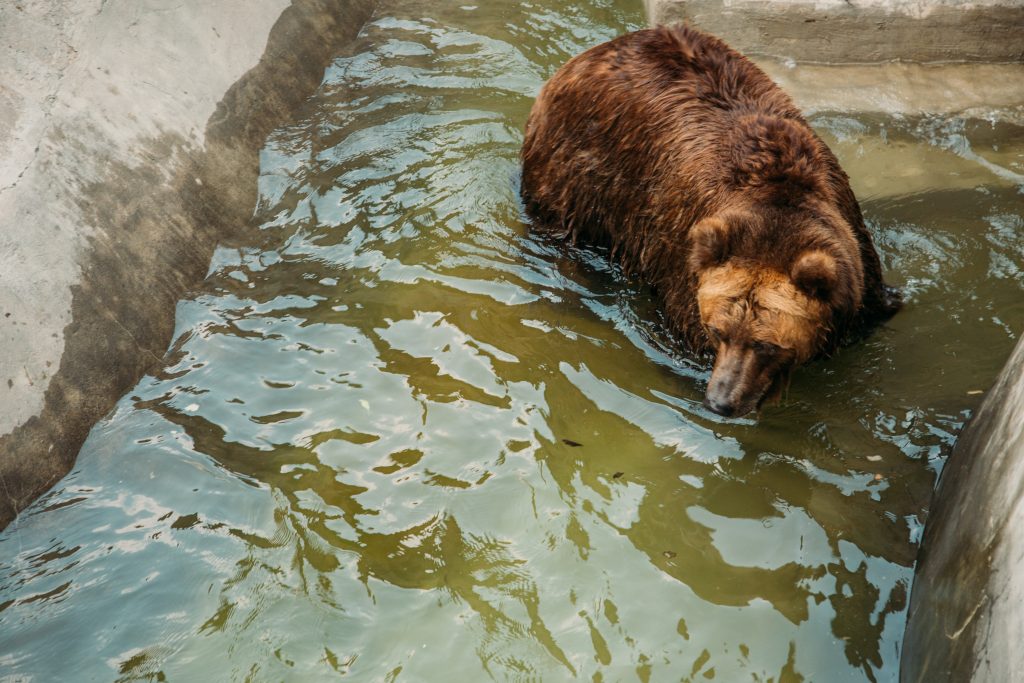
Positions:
(398, 439)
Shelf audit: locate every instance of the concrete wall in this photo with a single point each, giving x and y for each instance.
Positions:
(858, 31)
(966, 618)
(908, 57)
(129, 140)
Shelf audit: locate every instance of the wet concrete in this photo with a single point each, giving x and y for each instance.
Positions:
(965, 621)
(130, 140)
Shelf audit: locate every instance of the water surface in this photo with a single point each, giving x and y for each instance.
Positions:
(397, 438)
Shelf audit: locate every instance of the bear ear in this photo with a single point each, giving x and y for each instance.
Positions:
(709, 244)
(815, 274)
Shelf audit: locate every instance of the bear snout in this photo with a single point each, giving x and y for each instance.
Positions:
(739, 382)
(719, 406)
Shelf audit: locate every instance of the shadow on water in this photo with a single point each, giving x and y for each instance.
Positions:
(399, 438)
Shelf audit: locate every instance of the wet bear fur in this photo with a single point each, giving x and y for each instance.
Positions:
(704, 179)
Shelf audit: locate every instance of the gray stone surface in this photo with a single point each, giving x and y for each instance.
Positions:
(129, 139)
(966, 618)
(857, 31)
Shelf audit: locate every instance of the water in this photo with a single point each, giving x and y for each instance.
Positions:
(397, 438)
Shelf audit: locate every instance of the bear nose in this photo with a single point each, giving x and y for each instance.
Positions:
(719, 406)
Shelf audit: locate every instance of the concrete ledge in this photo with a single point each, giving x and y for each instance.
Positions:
(129, 141)
(965, 621)
(993, 92)
(858, 31)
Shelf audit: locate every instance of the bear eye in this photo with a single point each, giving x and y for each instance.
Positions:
(766, 348)
(715, 333)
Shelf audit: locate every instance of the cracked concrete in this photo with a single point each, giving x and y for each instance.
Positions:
(129, 139)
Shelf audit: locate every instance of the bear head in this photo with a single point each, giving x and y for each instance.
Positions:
(771, 288)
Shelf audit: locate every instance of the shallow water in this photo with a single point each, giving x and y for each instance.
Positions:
(398, 438)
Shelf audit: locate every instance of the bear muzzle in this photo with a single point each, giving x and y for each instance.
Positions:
(742, 379)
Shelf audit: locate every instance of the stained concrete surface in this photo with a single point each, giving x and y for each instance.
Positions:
(129, 140)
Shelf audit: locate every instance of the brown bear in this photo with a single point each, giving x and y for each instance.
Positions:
(704, 179)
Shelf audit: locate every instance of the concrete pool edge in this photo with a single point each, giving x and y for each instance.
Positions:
(137, 191)
(963, 620)
(891, 57)
(866, 31)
